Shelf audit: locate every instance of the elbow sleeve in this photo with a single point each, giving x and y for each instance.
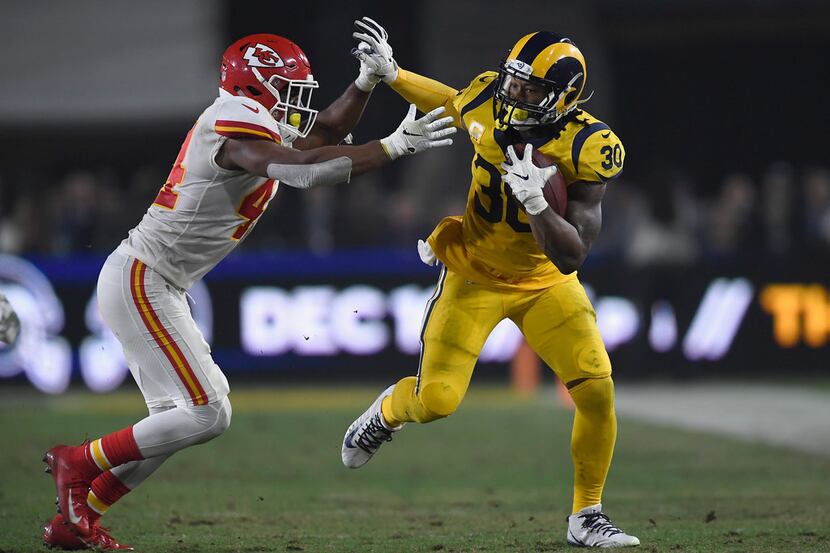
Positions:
(332, 171)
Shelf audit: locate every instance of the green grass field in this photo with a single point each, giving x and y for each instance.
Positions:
(494, 477)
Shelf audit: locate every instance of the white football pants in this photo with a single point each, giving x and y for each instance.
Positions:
(185, 391)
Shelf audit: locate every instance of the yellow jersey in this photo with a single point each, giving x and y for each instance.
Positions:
(492, 243)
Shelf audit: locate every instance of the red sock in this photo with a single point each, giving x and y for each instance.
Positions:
(113, 450)
(106, 489)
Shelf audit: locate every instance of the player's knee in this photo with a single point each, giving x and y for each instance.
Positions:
(213, 419)
(594, 395)
(439, 400)
(223, 416)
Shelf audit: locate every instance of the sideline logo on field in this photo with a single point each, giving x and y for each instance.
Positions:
(41, 353)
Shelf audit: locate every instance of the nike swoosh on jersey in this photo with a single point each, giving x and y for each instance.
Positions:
(255, 110)
(606, 135)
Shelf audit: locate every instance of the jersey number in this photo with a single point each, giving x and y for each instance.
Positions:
(496, 192)
(253, 206)
(167, 198)
(613, 156)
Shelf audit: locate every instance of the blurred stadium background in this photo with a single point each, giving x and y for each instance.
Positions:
(710, 276)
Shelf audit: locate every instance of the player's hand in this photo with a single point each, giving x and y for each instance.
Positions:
(526, 180)
(416, 135)
(374, 53)
(9, 323)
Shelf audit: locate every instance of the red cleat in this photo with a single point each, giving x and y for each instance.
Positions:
(73, 478)
(102, 540)
(61, 535)
(58, 534)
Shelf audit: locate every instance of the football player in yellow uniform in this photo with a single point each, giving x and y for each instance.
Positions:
(511, 255)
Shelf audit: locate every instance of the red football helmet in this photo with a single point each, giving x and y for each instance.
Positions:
(275, 72)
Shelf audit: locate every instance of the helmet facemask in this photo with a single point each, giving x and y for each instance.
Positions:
(292, 110)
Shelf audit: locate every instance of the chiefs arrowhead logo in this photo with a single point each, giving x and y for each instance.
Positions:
(260, 55)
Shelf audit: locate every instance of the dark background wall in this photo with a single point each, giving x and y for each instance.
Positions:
(711, 86)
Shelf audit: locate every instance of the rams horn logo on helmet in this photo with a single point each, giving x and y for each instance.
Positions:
(260, 55)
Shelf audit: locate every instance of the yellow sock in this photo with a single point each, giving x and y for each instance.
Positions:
(96, 504)
(436, 400)
(386, 409)
(592, 440)
(396, 406)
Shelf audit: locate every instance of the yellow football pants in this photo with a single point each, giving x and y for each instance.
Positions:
(559, 323)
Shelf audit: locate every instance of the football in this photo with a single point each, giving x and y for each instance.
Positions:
(555, 190)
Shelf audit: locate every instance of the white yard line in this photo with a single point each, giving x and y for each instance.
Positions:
(791, 417)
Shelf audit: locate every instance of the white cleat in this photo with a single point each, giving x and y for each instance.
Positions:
(365, 435)
(591, 528)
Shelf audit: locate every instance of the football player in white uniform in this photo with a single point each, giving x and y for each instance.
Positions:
(261, 131)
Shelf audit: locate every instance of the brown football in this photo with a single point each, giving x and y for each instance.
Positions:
(555, 190)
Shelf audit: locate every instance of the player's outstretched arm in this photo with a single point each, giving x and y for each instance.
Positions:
(377, 64)
(334, 164)
(336, 121)
(339, 119)
(565, 240)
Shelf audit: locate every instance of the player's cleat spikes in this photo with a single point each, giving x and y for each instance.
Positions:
(366, 434)
(590, 527)
(58, 534)
(102, 540)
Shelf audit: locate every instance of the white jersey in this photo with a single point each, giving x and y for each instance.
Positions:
(203, 211)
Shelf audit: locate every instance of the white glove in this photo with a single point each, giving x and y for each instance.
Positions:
(426, 254)
(9, 323)
(375, 55)
(526, 180)
(416, 135)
